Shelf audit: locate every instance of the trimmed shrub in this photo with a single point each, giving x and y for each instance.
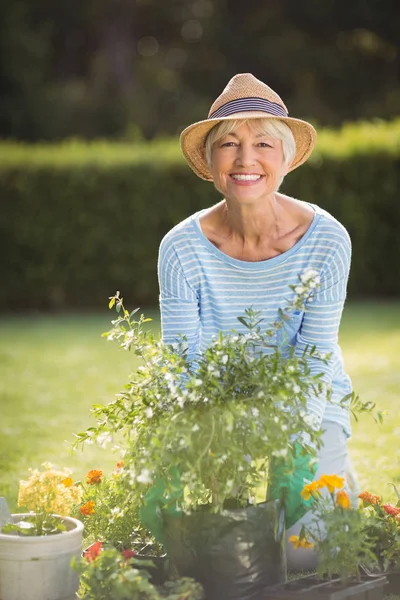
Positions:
(80, 221)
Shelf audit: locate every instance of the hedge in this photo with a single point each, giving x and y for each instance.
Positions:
(80, 221)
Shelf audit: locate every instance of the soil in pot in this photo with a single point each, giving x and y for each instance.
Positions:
(235, 555)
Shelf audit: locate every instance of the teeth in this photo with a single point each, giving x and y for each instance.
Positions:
(246, 177)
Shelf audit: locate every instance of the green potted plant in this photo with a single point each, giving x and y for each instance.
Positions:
(382, 528)
(36, 548)
(337, 532)
(109, 575)
(204, 434)
(111, 520)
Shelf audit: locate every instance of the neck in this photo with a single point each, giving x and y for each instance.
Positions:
(253, 222)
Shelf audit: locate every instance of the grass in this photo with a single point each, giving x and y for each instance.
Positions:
(54, 368)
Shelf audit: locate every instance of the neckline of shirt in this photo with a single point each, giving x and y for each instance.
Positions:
(256, 265)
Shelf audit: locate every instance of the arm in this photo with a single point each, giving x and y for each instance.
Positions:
(179, 302)
(320, 326)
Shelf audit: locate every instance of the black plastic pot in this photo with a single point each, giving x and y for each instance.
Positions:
(157, 567)
(235, 555)
(312, 588)
(393, 584)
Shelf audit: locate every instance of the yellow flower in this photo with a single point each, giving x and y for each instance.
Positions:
(310, 490)
(332, 482)
(299, 542)
(50, 490)
(342, 499)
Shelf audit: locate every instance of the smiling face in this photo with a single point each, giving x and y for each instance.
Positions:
(247, 165)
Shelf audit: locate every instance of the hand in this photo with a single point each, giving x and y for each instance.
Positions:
(287, 480)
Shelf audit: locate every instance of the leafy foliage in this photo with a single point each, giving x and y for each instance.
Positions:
(217, 420)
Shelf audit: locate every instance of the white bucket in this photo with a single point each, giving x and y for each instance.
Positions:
(39, 567)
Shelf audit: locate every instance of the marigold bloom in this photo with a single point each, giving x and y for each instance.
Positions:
(310, 490)
(391, 510)
(299, 542)
(120, 464)
(342, 499)
(67, 482)
(94, 476)
(332, 482)
(369, 498)
(93, 551)
(88, 508)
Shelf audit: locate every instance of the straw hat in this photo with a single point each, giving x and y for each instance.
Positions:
(245, 97)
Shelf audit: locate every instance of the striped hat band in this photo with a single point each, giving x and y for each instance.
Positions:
(248, 104)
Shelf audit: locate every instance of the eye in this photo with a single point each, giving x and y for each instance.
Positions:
(264, 145)
(227, 144)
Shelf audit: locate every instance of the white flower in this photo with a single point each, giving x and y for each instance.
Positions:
(296, 389)
(198, 382)
(255, 412)
(224, 359)
(149, 412)
(280, 453)
(103, 439)
(260, 394)
(144, 476)
(299, 289)
(310, 275)
(195, 427)
(291, 369)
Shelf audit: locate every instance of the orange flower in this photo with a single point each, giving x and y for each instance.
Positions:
(67, 482)
(299, 542)
(368, 498)
(88, 508)
(342, 499)
(391, 510)
(120, 464)
(93, 551)
(94, 476)
(310, 490)
(332, 482)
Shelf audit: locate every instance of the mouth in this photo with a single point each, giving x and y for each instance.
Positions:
(246, 177)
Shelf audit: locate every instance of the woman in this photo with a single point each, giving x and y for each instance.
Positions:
(249, 248)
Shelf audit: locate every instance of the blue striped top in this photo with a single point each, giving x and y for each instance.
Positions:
(203, 291)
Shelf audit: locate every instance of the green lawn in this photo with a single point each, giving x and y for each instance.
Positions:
(53, 368)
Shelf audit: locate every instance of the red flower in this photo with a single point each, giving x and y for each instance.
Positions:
(127, 554)
(93, 551)
(391, 510)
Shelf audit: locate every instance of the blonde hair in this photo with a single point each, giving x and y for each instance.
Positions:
(273, 127)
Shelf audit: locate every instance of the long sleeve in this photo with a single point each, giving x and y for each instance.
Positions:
(321, 321)
(179, 303)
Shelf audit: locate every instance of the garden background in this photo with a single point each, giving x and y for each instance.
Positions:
(94, 96)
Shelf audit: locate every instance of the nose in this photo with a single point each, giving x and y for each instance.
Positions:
(245, 155)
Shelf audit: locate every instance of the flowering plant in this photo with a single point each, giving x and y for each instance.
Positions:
(242, 398)
(111, 575)
(335, 529)
(49, 494)
(109, 515)
(382, 528)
